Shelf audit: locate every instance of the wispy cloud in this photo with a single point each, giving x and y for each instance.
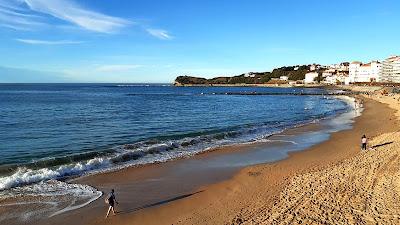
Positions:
(45, 42)
(117, 67)
(74, 13)
(160, 34)
(14, 16)
(24, 14)
(11, 4)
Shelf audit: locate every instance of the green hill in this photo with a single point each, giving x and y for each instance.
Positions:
(292, 72)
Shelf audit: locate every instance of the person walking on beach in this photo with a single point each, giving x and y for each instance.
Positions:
(110, 200)
(364, 142)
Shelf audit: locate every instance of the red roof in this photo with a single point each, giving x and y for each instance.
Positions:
(366, 65)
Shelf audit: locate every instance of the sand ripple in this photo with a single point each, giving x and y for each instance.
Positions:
(362, 190)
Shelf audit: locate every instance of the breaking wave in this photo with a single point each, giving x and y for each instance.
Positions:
(156, 150)
(25, 176)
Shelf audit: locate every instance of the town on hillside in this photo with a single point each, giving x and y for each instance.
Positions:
(345, 73)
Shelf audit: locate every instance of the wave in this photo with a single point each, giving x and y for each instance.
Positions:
(159, 149)
(42, 189)
(148, 151)
(25, 176)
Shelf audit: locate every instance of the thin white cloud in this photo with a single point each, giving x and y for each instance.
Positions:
(11, 4)
(28, 15)
(117, 67)
(74, 13)
(14, 12)
(160, 34)
(13, 16)
(45, 42)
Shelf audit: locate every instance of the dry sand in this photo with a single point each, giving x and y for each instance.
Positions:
(364, 189)
(331, 183)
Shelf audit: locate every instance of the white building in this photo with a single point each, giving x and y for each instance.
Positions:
(347, 80)
(337, 79)
(343, 78)
(310, 77)
(344, 67)
(284, 78)
(249, 74)
(328, 72)
(331, 79)
(369, 72)
(391, 69)
(353, 70)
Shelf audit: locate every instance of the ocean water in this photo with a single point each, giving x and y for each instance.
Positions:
(51, 132)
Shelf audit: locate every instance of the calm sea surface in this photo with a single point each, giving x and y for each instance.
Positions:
(52, 131)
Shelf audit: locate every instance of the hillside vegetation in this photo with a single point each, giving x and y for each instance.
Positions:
(293, 72)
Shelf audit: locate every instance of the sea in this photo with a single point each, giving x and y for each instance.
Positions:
(51, 134)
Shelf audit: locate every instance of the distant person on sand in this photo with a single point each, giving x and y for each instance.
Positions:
(364, 143)
(110, 200)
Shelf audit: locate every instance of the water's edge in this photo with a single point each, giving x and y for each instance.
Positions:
(90, 194)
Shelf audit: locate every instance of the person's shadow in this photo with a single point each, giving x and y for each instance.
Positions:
(379, 145)
(157, 203)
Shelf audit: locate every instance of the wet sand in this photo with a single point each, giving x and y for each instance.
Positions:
(252, 195)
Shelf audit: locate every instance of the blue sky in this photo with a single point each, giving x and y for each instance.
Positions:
(155, 41)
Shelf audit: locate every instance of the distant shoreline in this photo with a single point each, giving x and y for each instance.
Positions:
(254, 85)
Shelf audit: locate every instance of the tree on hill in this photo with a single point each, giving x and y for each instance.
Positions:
(293, 72)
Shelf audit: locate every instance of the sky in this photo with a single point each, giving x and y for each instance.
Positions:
(136, 41)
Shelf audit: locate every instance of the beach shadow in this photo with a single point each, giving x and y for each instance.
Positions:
(380, 145)
(158, 203)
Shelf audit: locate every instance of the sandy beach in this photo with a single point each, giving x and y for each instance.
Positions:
(199, 112)
(330, 183)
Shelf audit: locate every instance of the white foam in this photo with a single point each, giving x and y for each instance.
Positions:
(59, 196)
(147, 153)
(357, 108)
(25, 176)
(70, 207)
(284, 141)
